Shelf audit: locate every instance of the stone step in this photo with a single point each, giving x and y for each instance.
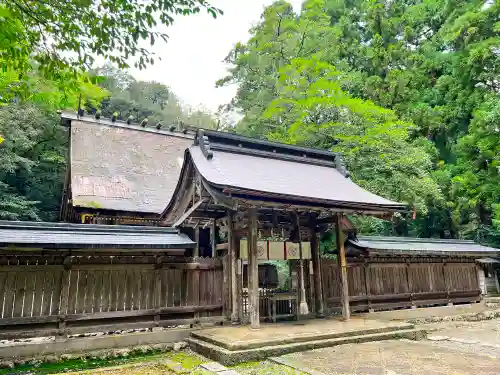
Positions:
(306, 337)
(232, 357)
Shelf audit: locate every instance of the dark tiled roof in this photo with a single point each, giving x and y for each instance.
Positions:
(121, 167)
(63, 236)
(310, 180)
(421, 246)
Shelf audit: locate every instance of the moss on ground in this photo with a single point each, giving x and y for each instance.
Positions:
(73, 365)
(150, 363)
(188, 359)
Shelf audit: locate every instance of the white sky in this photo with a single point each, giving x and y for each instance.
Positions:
(192, 60)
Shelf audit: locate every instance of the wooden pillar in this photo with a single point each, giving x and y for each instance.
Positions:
(344, 295)
(303, 307)
(239, 277)
(253, 270)
(213, 233)
(196, 252)
(316, 263)
(233, 259)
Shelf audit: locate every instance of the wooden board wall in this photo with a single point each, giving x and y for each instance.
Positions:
(386, 285)
(55, 296)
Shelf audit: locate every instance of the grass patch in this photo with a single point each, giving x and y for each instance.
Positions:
(187, 359)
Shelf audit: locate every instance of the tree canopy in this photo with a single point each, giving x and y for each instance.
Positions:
(407, 91)
(152, 100)
(47, 49)
(59, 40)
(61, 34)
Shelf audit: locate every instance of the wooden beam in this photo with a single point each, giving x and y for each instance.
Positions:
(186, 214)
(253, 270)
(346, 312)
(222, 246)
(316, 262)
(181, 204)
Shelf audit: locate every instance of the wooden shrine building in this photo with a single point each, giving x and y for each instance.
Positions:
(256, 189)
(255, 201)
(119, 172)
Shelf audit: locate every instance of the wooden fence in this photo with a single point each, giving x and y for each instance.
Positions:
(51, 295)
(393, 284)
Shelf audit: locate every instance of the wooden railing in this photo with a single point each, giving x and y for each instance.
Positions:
(386, 285)
(56, 296)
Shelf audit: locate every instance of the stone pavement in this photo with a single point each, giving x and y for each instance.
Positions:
(454, 347)
(217, 368)
(396, 357)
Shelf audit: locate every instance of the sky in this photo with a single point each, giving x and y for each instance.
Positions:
(192, 60)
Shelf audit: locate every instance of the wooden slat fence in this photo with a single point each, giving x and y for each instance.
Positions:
(387, 285)
(47, 295)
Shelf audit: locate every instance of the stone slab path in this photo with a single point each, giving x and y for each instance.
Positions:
(217, 368)
(395, 357)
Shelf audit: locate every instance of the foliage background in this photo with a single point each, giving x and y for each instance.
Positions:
(407, 91)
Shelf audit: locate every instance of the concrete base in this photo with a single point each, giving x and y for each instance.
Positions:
(240, 344)
(87, 344)
(229, 357)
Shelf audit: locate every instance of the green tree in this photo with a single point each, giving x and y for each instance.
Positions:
(62, 34)
(59, 40)
(33, 154)
(32, 163)
(313, 110)
(476, 184)
(434, 63)
(140, 99)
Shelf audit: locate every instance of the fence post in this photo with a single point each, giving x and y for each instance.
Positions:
(197, 294)
(157, 288)
(410, 284)
(446, 284)
(63, 306)
(366, 270)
